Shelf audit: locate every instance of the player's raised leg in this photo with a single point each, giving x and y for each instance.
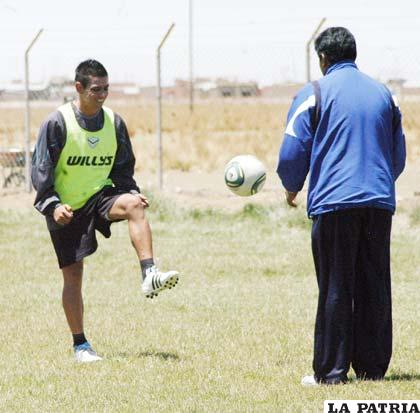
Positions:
(132, 208)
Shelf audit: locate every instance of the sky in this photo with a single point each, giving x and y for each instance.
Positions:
(260, 40)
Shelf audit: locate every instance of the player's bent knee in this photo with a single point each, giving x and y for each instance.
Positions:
(134, 205)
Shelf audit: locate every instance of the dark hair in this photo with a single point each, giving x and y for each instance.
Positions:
(88, 68)
(337, 43)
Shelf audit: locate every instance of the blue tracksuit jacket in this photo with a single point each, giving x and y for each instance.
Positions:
(357, 150)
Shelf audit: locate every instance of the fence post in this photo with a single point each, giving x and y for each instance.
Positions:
(27, 117)
(191, 55)
(159, 108)
(308, 54)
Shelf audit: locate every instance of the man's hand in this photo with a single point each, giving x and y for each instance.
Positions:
(63, 214)
(144, 200)
(290, 198)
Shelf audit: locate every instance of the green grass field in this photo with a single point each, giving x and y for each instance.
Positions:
(234, 336)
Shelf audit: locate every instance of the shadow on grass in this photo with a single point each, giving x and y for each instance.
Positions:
(162, 355)
(402, 377)
(397, 376)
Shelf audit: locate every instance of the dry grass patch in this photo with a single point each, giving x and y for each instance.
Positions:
(205, 139)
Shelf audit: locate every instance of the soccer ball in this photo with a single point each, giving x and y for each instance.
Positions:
(245, 175)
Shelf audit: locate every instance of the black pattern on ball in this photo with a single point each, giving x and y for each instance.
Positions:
(237, 174)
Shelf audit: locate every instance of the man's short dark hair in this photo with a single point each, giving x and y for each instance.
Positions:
(337, 43)
(88, 68)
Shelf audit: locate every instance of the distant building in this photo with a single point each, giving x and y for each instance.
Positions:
(227, 89)
(203, 88)
(396, 86)
(404, 90)
(62, 88)
(117, 90)
(16, 90)
(281, 91)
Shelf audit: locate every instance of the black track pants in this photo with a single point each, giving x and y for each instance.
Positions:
(351, 250)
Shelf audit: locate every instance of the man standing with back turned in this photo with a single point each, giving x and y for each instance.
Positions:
(345, 130)
(83, 169)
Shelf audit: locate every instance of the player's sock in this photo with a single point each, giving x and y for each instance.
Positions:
(145, 264)
(79, 339)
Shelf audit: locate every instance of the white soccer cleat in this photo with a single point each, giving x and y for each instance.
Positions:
(84, 353)
(157, 281)
(309, 381)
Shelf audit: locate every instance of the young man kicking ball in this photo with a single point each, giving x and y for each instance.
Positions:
(83, 169)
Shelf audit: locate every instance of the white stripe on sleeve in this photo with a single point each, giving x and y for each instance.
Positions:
(302, 107)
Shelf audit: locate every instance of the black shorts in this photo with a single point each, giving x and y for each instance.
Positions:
(76, 240)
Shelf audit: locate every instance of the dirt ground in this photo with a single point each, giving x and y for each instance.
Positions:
(207, 190)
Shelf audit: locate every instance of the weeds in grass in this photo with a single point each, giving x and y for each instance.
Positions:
(254, 211)
(415, 216)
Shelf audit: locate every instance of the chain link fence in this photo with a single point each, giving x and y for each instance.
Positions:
(245, 76)
(12, 150)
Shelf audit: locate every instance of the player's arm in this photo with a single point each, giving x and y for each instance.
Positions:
(51, 140)
(399, 150)
(295, 151)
